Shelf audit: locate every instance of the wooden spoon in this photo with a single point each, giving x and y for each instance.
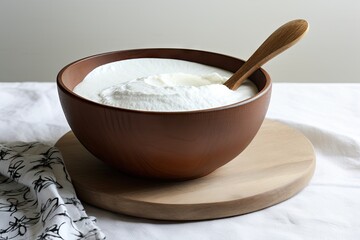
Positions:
(280, 40)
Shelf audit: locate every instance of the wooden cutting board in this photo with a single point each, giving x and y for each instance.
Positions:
(277, 164)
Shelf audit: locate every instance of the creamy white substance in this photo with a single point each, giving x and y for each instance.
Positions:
(153, 84)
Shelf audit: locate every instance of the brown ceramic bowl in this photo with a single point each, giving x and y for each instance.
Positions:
(163, 145)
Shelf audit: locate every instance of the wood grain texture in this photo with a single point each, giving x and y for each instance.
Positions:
(142, 142)
(277, 164)
(280, 40)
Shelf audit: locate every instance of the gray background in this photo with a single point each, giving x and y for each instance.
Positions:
(39, 37)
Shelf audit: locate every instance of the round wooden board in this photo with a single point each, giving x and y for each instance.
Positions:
(277, 164)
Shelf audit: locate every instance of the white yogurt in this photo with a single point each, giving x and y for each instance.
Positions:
(153, 84)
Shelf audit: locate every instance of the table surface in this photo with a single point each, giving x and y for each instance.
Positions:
(329, 208)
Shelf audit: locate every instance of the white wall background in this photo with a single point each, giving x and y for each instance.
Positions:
(39, 37)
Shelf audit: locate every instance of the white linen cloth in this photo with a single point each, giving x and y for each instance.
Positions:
(329, 208)
(37, 199)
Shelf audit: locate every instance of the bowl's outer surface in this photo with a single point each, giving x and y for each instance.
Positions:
(176, 145)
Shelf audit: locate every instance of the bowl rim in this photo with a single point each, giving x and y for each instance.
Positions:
(66, 90)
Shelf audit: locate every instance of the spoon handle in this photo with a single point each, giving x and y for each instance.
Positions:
(280, 40)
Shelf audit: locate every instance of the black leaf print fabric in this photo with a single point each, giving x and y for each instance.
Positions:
(37, 199)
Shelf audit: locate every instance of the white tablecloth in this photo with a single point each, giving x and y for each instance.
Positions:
(329, 208)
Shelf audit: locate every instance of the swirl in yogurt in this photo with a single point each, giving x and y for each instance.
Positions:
(166, 92)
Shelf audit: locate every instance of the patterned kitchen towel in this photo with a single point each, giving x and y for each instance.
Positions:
(37, 199)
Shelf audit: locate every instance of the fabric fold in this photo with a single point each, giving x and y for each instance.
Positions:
(37, 199)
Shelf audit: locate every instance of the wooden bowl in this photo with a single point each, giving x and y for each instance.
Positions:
(163, 145)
